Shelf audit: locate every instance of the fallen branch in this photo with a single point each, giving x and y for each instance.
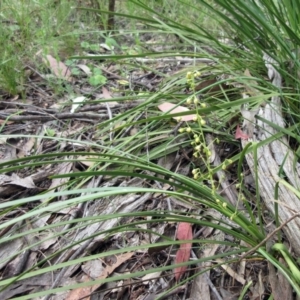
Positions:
(274, 158)
(49, 117)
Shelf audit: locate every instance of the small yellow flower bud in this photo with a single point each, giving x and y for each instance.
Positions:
(203, 105)
(224, 204)
(189, 75)
(197, 74)
(189, 100)
(189, 129)
(202, 122)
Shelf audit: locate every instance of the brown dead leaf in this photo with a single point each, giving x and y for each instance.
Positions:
(232, 273)
(182, 255)
(167, 106)
(184, 232)
(26, 147)
(106, 95)
(239, 134)
(87, 160)
(86, 291)
(5, 122)
(14, 179)
(85, 69)
(58, 68)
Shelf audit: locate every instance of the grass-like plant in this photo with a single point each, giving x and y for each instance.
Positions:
(242, 34)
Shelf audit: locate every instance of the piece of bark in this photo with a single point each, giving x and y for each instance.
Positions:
(273, 157)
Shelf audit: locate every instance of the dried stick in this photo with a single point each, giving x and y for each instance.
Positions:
(268, 237)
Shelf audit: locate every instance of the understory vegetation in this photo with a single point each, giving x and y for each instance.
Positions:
(149, 149)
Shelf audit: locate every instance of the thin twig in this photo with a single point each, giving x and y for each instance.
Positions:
(17, 106)
(60, 116)
(175, 59)
(268, 237)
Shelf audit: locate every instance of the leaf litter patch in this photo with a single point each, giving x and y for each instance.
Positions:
(58, 123)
